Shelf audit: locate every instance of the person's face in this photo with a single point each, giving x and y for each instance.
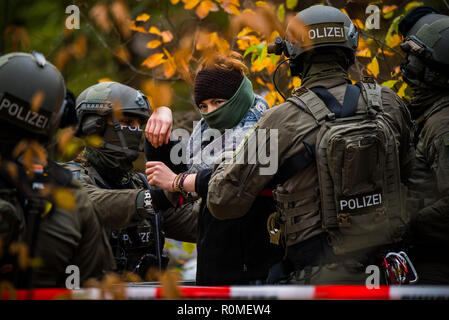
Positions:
(128, 120)
(210, 105)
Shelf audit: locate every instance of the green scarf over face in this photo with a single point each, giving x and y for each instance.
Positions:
(322, 71)
(232, 111)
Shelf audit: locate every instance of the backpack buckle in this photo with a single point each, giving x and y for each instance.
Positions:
(300, 91)
(344, 220)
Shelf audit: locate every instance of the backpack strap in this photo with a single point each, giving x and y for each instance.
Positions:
(372, 93)
(308, 100)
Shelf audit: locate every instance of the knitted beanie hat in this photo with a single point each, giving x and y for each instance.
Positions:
(216, 83)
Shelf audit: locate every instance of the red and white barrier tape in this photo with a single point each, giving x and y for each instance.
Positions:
(250, 292)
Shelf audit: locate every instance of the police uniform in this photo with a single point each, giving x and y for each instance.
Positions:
(426, 41)
(60, 228)
(122, 198)
(311, 255)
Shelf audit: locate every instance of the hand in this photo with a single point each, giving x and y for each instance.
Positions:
(159, 175)
(159, 126)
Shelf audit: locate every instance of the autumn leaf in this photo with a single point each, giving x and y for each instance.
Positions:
(291, 4)
(143, 17)
(401, 91)
(230, 8)
(296, 82)
(137, 28)
(174, 1)
(104, 80)
(373, 67)
(394, 40)
(169, 65)
(121, 16)
(154, 60)
(412, 5)
(261, 3)
(390, 83)
(159, 94)
(79, 47)
(93, 140)
(190, 4)
(281, 12)
(188, 247)
(365, 53)
(154, 44)
(99, 13)
(36, 101)
(122, 54)
(154, 30)
(21, 250)
(202, 11)
(167, 36)
(64, 198)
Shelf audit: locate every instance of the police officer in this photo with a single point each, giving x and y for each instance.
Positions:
(121, 196)
(344, 151)
(43, 210)
(426, 70)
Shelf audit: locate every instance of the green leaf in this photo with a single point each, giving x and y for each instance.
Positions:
(291, 4)
(264, 53)
(281, 13)
(250, 49)
(412, 5)
(394, 26)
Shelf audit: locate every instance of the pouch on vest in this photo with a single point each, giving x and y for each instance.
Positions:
(357, 158)
(12, 221)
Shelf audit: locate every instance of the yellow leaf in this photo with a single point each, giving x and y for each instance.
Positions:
(261, 3)
(394, 40)
(174, 1)
(169, 69)
(167, 36)
(64, 199)
(188, 247)
(190, 4)
(154, 60)
(373, 67)
(244, 32)
(401, 91)
(231, 9)
(365, 53)
(105, 80)
(291, 4)
(143, 17)
(154, 30)
(359, 24)
(412, 5)
(137, 28)
(154, 44)
(202, 11)
(93, 140)
(296, 82)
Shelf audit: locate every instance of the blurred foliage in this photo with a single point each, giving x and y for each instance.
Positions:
(155, 46)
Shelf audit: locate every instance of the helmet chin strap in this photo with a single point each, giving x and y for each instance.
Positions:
(124, 148)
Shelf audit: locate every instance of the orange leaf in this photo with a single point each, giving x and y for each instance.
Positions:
(154, 30)
(99, 13)
(169, 69)
(154, 44)
(365, 53)
(137, 28)
(190, 4)
(36, 100)
(167, 36)
(143, 17)
(202, 11)
(174, 1)
(154, 60)
(230, 8)
(122, 54)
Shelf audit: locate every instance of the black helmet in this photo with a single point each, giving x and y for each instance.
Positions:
(426, 43)
(98, 100)
(317, 27)
(22, 77)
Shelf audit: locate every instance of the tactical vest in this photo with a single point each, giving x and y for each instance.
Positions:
(361, 199)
